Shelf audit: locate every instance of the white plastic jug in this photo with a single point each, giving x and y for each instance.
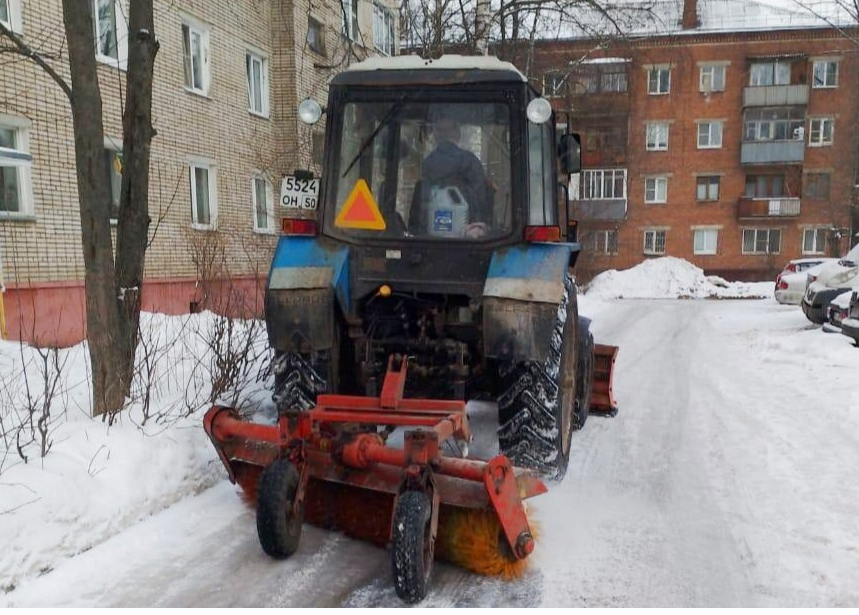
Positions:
(447, 214)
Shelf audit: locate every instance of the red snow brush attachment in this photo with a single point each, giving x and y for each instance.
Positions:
(330, 466)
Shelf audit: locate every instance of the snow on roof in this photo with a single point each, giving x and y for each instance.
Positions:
(607, 61)
(670, 278)
(445, 62)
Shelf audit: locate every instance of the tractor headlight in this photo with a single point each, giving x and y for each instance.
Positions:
(309, 111)
(539, 110)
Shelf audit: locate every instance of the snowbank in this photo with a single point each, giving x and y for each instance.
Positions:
(671, 278)
(99, 479)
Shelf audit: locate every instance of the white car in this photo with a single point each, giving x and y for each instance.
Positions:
(832, 280)
(791, 283)
(837, 312)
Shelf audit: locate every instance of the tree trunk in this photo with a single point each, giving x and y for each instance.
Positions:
(102, 310)
(132, 231)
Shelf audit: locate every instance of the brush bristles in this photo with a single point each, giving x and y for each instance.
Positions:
(473, 540)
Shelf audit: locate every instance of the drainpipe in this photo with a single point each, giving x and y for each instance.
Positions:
(3, 333)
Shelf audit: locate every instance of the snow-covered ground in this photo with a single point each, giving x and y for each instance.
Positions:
(727, 479)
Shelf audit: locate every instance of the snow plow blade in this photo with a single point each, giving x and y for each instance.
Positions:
(331, 467)
(602, 394)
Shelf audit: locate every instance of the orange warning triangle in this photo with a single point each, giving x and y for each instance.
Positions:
(360, 210)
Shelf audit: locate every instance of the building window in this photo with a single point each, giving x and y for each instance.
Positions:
(10, 15)
(654, 242)
(658, 80)
(554, 83)
(257, 69)
(655, 189)
(383, 30)
(15, 163)
(707, 188)
(820, 132)
(113, 171)
(825, 74)
(814, 241)
(111, 33)
(769, 73)
(350, 19)
(614, 81)
(705, 241)
(657, 136)
(817, 186)
(763, 186)
(316, 35)
(709, 135)
(605, 242)
(712, 78)
(603, 184)
(774, 124)
(5, 14)
(263, 202)
(203, 196)
(761, 241)
(195, 42)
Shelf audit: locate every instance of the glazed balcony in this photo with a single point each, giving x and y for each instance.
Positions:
(768, 207)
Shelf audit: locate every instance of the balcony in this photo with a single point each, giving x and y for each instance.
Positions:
(772, 152)
(768, 207)
(775, 95)
(601, 209)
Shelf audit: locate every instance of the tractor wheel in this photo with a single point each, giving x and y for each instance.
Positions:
(537, 401)
(584, 376)
(412, 547)
(278, 527)
(298, 378)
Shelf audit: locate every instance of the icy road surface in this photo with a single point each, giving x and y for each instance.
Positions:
(729, 478)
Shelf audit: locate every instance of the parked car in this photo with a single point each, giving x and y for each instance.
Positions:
(850, 325)
(791, 283)
(832, 280)
(837, 312)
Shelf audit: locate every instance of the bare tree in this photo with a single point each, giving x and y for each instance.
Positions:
(112, 288)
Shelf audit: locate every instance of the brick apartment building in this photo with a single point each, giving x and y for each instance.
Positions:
(728, 138)
(228, 80)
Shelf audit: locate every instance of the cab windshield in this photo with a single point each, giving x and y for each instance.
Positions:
(432, 171)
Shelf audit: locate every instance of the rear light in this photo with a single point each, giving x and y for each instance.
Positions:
(791, 267)
(293, 226)
(782, 285)
(542, 233)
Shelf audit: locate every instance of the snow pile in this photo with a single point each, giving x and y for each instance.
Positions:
(671, 278)
(98, 479)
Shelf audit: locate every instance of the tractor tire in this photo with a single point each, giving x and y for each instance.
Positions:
(278, 527)
(584, 376)
(537, 398)
(299, 378)
(411, 546)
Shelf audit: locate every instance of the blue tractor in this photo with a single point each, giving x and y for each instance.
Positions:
(441, 233)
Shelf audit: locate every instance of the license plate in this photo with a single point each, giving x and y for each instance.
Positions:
(298, 193)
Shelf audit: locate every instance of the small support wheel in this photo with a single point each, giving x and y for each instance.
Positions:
(412, 546)
(278, 526)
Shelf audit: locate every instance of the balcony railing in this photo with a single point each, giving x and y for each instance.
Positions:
(769, 152)
(768, 207)
(775, 95)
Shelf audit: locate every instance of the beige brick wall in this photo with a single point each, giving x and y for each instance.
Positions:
(45, 247)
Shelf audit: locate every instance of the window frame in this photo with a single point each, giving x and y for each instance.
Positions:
(758, 231)
(656, 145)
(706, 182)
(596, 178)
(195, 27)
(14, 14)
(211, 169)
(824, 85)
(812, 186)
(259, 176)
(704, 250)
(349, 13)
(658, 71)
(20, 159)
(714, 70)
(320, 26)
(710, 124)
(253, 56)
(384, 18)
(821, 131)
(605, 242)
(120, 32)
(816, 249)
(774, 73)
(115, 189)
(657, 180)
(654, 249)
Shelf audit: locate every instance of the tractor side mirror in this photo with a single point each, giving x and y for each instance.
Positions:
(570, 153)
